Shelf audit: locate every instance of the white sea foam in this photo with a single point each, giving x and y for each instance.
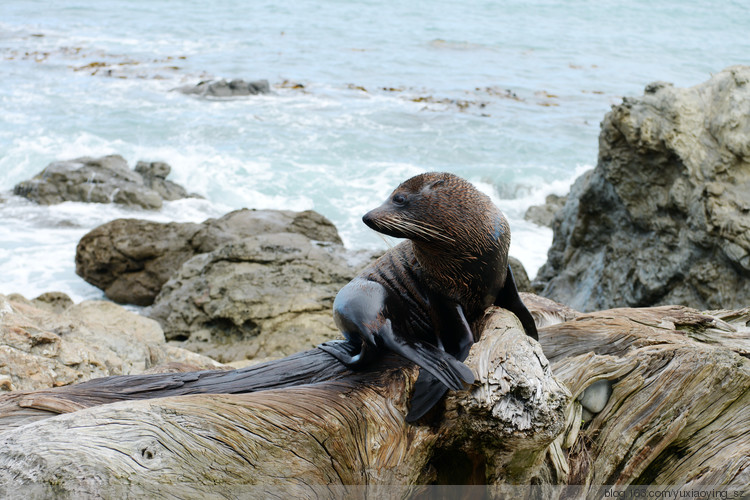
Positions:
(39, 242)
(530, 242)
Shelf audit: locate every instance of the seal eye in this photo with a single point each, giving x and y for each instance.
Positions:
(399, 199)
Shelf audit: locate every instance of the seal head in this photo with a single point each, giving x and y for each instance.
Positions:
(459, 237)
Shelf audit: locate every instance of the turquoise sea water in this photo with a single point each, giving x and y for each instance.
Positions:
(365, 94)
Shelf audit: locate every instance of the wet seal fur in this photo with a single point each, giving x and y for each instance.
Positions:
(420, 297)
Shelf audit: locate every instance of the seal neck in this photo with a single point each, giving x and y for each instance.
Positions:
(470, 273)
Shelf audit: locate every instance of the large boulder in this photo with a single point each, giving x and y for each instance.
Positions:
(102, 180)
(664, 218)
(261, 296)
(131, 259)
(51, 342)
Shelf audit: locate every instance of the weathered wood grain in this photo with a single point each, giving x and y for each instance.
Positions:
(679, 412)
(674, 411)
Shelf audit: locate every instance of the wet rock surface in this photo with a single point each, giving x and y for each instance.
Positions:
(130, 258)
(154, 176)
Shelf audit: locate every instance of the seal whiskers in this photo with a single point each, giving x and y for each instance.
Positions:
(415, 228)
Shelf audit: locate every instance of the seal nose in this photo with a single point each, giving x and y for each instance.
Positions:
(368, 219)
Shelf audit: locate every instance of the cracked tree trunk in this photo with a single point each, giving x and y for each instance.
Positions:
(659, 395)
(679, 409)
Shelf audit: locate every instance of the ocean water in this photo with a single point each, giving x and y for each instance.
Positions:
(365, 94)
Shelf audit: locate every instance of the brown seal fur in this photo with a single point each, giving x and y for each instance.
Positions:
(420, 297)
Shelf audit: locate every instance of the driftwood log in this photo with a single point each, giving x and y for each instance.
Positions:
(639, 396)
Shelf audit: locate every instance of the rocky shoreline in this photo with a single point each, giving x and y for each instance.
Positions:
(663, 219)
(634, 395)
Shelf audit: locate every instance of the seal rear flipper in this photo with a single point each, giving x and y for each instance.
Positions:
(427, 392)
(509, 299)
(442, 365)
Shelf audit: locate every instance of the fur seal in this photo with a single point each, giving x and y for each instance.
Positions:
(420, 297)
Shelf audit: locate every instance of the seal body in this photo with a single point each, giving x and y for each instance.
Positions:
(420, 297)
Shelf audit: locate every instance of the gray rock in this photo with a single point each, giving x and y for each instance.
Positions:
(664, 218)
(131, 259)
(241, 223)
(594, 398)
(153, 169)
(523, 284)
(154, 176)
(222, 88)
(544, 215)
(261, 296)
(98, 180)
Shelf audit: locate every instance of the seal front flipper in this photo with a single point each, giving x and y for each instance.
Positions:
(453, 332)
(428, 390)
(509, 299)
(462, 331)
(347, 351)
(447, 369)
(358, 314)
